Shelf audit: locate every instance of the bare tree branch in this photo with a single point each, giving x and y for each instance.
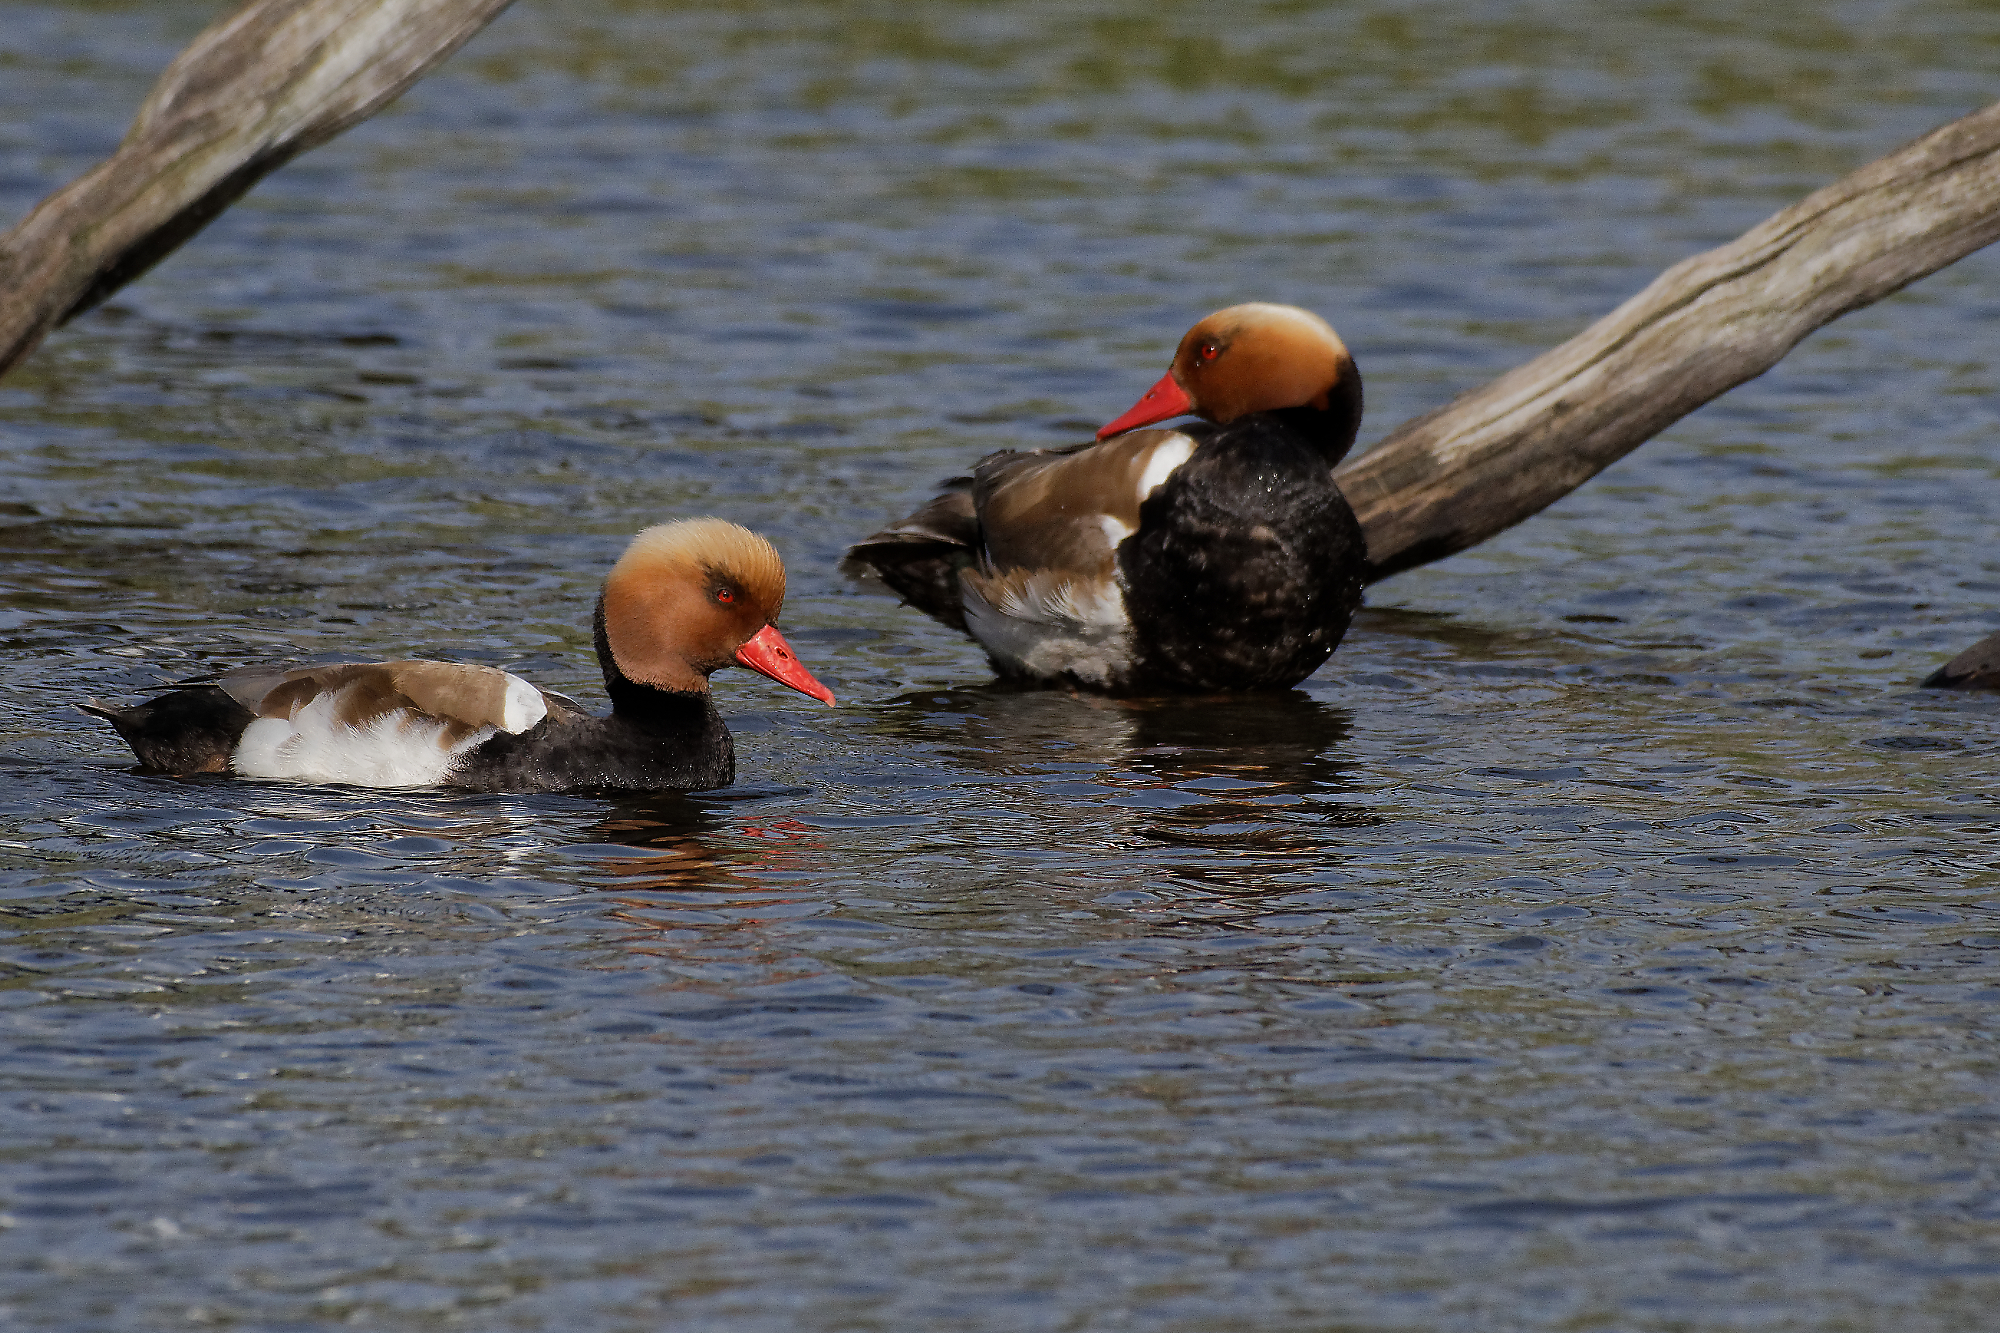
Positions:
(1482, 463)
(281, 76)
(249, 94)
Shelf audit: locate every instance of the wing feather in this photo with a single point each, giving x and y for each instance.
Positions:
(920, 556)
(1067, 510)
(464, 695)
(1059, 513)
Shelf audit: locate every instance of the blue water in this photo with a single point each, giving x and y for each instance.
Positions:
(1605, 939)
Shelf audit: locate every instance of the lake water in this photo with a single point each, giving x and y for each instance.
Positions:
(1607, 938)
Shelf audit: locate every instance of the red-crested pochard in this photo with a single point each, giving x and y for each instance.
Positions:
(1213, 556)
(685, 599)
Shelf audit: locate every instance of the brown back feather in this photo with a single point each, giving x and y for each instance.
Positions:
(1042, 511)
(465, 697)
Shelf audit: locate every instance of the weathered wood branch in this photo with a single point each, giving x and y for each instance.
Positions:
(281, 76)
(1482, 463)
(250, 93)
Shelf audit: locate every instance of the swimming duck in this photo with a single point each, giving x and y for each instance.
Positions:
(1977, 668)
(684, 600)
(1204, 557)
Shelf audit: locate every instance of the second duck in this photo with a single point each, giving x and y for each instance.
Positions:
(1207, 557)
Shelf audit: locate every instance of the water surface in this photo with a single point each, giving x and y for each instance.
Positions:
(1605, 939)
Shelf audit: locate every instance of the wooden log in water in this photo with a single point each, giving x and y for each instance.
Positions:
(281, 76)
(250, 93)
(1977, 668)
(1482, 463)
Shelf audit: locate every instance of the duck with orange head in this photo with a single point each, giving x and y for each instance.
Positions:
(1207, 557)
(685, 600)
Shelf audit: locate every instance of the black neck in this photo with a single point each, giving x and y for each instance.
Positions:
(1331, 432)
(639, 703)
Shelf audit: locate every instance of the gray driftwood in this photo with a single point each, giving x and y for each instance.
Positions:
(250, 93)
(280, 76)
(1977, 668)
(1451, 479)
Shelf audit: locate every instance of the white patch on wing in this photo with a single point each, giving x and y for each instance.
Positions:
(400, 748)
(1049, 625)
(1167, 455)
(524, 707)
(1115, 530)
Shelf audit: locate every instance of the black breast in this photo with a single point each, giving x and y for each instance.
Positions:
(1246, 567)
(670, 743)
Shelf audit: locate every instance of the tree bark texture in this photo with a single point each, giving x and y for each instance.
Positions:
(1454, 477)
(250, 93)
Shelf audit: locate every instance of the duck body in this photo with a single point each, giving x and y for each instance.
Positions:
(686, 599)
(1211, 557)
(652, 740)
(677, 744)
(1246, 567)
(359, 728)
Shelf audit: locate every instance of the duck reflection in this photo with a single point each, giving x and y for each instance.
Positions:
(672, 831)
(1258, 771)
(684, 896)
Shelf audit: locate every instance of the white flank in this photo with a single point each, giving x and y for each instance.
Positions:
(397, 749)
(1167, 455)
(524, 708)
(1048, 626)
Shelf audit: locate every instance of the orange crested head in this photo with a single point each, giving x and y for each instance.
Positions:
(692, 596)
(1258, 357)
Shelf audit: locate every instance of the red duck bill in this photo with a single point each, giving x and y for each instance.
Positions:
(1163, 400)
(768, 654)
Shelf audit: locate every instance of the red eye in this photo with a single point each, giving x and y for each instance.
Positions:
(1209, 351)
(725, 595)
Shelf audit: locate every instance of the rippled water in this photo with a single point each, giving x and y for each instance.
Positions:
(1605, 939)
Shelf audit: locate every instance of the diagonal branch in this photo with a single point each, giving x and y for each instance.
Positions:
(281, 76)
(1454, 477)
(250, 93)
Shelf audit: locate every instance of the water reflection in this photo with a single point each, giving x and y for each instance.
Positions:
(1262, 768)
(654, 820)
(1077, 1002)
(1289, 741)
(1208, 771)
(689, 847)
(706, 881)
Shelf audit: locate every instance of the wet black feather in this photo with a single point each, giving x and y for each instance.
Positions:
(1247, 565)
